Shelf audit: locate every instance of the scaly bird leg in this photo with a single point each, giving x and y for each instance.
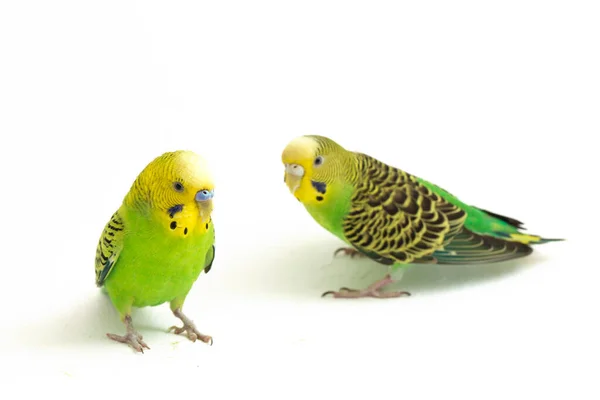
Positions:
(372, 291)
(349, 251)
(189, 328)
(132, 338)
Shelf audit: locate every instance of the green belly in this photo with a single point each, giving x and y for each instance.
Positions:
(155, 268)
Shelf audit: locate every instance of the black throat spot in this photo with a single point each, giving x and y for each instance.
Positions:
(320, 187)
(175, 209)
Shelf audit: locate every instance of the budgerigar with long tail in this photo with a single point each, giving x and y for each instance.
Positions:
(393, 217)
(158, 242)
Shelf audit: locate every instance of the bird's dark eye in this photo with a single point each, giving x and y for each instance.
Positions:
(319, 160)
(178, 186)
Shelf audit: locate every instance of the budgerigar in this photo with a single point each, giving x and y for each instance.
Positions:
(393, 217)
(159, 241)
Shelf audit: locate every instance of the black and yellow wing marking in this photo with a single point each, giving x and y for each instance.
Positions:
(395, 219)
(109, 247)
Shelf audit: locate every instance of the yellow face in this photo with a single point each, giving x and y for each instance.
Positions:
(311, 164)
(180, 187)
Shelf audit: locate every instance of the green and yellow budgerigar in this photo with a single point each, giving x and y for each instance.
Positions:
(393, 217)
(158, 242)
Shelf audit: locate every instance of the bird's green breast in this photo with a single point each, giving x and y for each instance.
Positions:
(155, 265)
(334, 207)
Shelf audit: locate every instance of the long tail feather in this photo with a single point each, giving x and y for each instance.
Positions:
(529, 239)
(471, 248)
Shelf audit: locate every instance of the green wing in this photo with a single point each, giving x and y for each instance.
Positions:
(479, 220)
(486, 237)
(395, 219)
(210, 258)
(109, 247)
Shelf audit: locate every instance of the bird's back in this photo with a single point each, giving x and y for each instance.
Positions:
(472, 234)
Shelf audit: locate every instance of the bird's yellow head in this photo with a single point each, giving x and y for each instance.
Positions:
(313, 164)
(179, 186)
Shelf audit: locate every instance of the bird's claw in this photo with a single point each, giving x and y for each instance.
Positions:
(342, 289)
(349, 251)
(346, 293)
(133, 339)
(192, 333)
(371, 291)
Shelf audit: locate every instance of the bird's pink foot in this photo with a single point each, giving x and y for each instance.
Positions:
(371, 291)
(132, 337)
(349, 251)
(190, 328)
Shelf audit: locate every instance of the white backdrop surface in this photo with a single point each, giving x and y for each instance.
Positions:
(496, 102)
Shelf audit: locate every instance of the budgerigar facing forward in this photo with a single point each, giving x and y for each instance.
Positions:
(393, 217)
(159, 241)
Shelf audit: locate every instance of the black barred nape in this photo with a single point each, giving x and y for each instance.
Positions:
(139, 194)
(326, 145)
(339, 164)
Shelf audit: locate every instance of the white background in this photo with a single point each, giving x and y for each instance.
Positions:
(496, 101)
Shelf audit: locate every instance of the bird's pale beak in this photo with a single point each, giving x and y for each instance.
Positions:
(205, 204)
(293, 176)
(206, 208)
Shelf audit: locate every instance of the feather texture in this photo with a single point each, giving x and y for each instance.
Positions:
(470, 248)
(109, 247)
(395, 218)
(158, 242)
